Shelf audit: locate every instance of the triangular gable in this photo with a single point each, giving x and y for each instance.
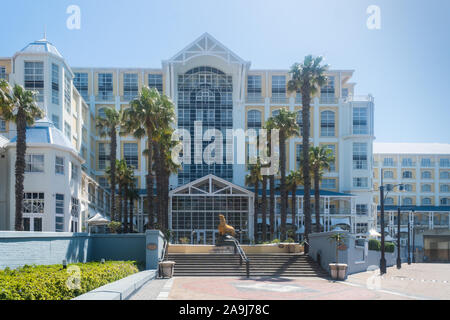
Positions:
(210, 185)
(207, 45)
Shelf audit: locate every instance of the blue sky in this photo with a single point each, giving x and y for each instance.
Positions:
(405, 64)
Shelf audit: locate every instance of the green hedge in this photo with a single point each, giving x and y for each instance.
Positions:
(375, 245)
(50, 282)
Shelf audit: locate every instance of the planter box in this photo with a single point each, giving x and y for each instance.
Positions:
(338, 271)
(167, 268)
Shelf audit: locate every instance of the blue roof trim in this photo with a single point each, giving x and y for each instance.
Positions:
(417, 208)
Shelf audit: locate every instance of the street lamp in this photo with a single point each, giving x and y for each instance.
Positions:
(399, 260)
(409, 238)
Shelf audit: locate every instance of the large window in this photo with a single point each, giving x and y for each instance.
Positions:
(55, 84)
(34, 163)
(426, 175)
(444, 163)
(34, 79)
(360, 120)
(156, 81)
(444, 175)
(426, 188)
(67, 93)
(254, 88)
(279, 89)
(407, 175)
(105, 86)
(426, 201)
(33, 211)
(388, 162)
(332, 147)
(407, 162)
(254, 119)
(362, 209)
(425, 163)
(75, 213)
(81, 82)
(327, 92)
(59, 165)
(59, 213)
(327, 124)
(300, 121)
(407, 201)
(360, 182)
(131, 154)
(328, 184)
(388, 174)
(103, 155)
(130, 86)
(444, 188)
(360, 156)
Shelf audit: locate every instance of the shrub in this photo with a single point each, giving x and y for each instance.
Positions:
(114, 226)
(276, 241)
(389, 247)
(49, 282)
(290, 240)
(374, 245)
(184, 241)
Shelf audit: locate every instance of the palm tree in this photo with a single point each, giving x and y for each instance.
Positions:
(109, 126)
(269, 126)
(133, 194)
(125, 176)
(286, 123)
(293, 180)
(307, 77)
(142, 119)
(253, 179)
(264, 207)
(320, 158)
(18, 105)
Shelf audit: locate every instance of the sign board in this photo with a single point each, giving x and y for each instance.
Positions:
(152, 246)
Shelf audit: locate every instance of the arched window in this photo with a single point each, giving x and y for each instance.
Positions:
(254, 119)
(407, 175)
(327, 124)
(426, 201)
(275, 112)
(407, 201)
(389, 201)
(426, 175)
(205, 95)
(101, 113)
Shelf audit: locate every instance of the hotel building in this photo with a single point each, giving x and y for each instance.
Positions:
(424, 171)
(208, 83)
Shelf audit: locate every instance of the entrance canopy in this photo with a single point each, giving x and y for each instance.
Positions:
(98, 220)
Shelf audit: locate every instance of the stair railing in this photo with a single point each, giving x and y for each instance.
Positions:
(242, 256)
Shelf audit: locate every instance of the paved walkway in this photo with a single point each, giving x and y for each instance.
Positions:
(419, 281)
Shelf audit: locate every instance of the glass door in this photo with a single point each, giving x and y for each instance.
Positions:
(201, 238)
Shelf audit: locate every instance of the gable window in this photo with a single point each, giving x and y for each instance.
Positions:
(156, 81)
(327, 124)
(279, 89)
(55, 84)
(105, 86)
(59, 213)
(34, 163)
(59, 165)
(130, 86)
(360, 156)
(131, 155)
(81, 83)
(360, 120)
(34, 79)
(254, 88)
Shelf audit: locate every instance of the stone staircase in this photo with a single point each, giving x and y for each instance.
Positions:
(261, 265)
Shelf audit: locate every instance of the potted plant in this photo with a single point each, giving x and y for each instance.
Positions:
(167, 267)
(338, 270)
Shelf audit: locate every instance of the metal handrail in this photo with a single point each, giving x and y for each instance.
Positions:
(242, 255)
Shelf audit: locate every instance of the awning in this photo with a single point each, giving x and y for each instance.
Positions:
(98, 220)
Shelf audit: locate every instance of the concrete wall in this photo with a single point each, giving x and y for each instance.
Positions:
(46, 248)
(358, 258)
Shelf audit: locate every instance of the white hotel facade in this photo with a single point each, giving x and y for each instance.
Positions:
(208, 83)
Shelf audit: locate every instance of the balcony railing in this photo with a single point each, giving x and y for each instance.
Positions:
(360, 98)
(106, 96)
(427, 165)
(328, 100)
(254, 99)
(279, 99)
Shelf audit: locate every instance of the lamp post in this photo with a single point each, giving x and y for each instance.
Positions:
(409, 239)
(383, 259)
(399, 260)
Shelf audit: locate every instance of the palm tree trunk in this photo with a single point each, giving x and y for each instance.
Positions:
(272, 207)
(317, 198)
(21, 148)
(256, 211)
(131, 214)
(112, 160)
(149, 182)
(120, 203)
(283, 192)
(294, 198)
(158, 206)
(166, 199)
(125, 209)
(264, 208)
(306, 95)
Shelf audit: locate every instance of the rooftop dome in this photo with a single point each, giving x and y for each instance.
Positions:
(41, 46)
(45, 131)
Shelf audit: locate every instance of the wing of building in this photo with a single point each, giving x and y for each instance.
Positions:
(210, 83)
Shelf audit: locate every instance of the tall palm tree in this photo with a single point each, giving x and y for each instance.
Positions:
(320, 158)
(142, 119)
(307, 77)
(18, 105)
(253, 179)
(264, 207)
(125, 176)
(133, 194)
(294, 179)
(109, 126)
(286, 123)
(269, 126)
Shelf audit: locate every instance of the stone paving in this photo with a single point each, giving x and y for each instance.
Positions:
(418, 281)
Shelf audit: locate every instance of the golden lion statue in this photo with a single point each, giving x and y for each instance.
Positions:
(224, 228)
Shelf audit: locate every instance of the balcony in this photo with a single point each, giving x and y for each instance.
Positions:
(359, 98)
